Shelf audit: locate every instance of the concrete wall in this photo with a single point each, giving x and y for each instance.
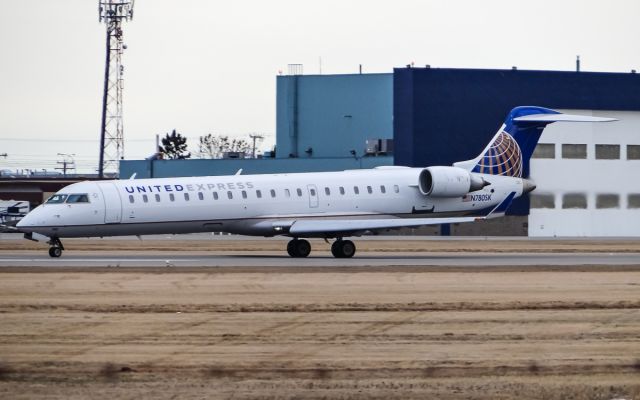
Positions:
(332, 114)
(589, 177)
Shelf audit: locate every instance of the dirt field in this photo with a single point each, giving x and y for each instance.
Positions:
(350, 334)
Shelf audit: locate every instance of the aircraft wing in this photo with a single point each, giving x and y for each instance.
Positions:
(344, 226)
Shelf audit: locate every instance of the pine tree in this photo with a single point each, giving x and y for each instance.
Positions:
(174, 146)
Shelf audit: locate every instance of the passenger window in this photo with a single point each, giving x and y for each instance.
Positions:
(396, 189)
(172, 197)
(287, 193)
(383, 190)
(215, 195)
(201, 195)
(186, 196)
(244, 194)
(78, 198)
(258, 194)
(369, 189)
(327, 191)
(341, 190)
(230, 195)
(299, 191)
(145, 198)
(356, 190)
(57, 198)
(130, 199)
(157, 198)
(273, 193)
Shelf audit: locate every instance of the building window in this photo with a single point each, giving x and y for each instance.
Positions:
(607, 152)
(244, 194)
(633, 152)
(369, 189)
(273, 193)
(574, 151)
(145, 198)
(201, 195)
(544, 150)
(230, 195)
(215, 195)
(131, 200)
(633, 200)
(539, 200)
(383, 189)
(172, 197)
(327, 191)
(157, 198)
(341, 190)
(574, 200)
(258, 194)
(299, 191)
(287, 193)
(186, 196)
(396, 188)
(356, 190)
(609, 200)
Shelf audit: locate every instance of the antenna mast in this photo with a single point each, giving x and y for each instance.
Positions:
(113, 13)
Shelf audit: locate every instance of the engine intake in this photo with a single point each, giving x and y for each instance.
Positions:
(448, 182)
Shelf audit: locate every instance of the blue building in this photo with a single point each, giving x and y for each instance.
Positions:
(447, 115)
(323, 123)
(332, 116)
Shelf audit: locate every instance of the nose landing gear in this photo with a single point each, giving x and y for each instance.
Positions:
(56, 248)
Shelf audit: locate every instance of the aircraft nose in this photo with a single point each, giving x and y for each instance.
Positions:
(25, 222)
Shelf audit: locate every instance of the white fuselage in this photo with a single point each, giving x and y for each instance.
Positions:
(252, 204)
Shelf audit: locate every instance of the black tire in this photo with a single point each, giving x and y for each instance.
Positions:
(55, 252)
(348, 249)
(336, 249)
(343, 249)
(303, 248)
(291, 248)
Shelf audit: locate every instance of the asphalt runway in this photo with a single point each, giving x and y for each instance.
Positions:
(280, 259)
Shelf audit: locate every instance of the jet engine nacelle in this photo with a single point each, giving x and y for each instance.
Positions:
(448, 182)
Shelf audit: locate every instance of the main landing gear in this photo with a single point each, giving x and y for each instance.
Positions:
(56, 247)
(300, 248)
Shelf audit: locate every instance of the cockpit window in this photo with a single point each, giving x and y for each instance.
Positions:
(78, 198)
(57, 198)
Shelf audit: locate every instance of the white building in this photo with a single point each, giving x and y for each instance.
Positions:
(588, 177)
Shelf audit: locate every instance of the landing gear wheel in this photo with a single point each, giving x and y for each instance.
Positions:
(298, 248)
(343, 249)
(55, 251)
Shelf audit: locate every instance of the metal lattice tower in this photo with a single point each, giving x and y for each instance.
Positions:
(113, 13)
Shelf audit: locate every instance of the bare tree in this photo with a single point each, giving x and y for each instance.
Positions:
(212, 146)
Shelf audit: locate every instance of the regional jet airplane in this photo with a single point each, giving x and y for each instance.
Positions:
(329, 205)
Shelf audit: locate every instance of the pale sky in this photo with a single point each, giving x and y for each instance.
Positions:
(203, 66)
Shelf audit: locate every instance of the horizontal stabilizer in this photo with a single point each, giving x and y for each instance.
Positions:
(311, 227)
(561, 118)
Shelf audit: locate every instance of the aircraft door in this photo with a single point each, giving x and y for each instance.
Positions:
(313, 196)
(112, 203)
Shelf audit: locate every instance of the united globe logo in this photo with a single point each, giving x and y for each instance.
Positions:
(502, 158)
